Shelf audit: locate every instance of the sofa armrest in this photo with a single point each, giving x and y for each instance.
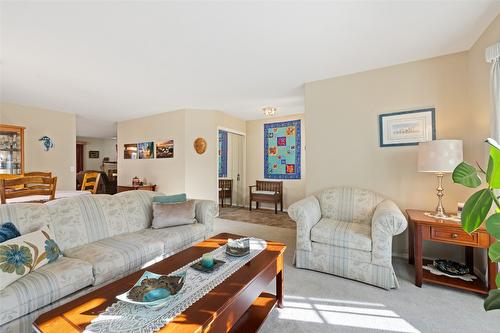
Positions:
(205, 212)
(387, 221)
(306, 213)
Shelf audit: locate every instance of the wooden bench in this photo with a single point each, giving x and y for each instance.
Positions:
(267, 191)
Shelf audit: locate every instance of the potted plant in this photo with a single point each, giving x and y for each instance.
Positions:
(477, 208)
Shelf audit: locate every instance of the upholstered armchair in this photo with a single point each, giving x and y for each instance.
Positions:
(348, 232)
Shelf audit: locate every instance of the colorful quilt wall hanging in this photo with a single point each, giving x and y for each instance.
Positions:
(282, 150)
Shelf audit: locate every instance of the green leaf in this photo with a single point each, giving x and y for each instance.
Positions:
(466, 175)
(493, 171)
(476, 209)
(494, 252)
(493, 225)
(497, 281)
(492, 302)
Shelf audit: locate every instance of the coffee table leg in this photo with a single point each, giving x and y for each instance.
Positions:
(279, 289)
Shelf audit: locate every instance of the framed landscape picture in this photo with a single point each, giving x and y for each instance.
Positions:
(282, 150)
(407, 128)
(93, 153)
(130, 151)
(165, 149)
(146, 150)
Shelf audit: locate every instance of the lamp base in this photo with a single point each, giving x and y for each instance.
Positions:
(437, 215)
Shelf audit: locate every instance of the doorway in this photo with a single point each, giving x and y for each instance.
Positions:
(231, 168)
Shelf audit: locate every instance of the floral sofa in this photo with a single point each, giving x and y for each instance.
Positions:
(103, 237)
(348, 232)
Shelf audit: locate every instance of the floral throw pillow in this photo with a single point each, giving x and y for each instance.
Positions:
(22, 255)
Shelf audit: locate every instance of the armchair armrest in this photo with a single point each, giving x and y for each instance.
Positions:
(387, 221)
(205, 212)
(306, 213)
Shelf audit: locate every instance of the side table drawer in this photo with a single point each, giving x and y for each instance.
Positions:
(454, 236)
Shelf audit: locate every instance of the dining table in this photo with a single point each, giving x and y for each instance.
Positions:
(60, 194)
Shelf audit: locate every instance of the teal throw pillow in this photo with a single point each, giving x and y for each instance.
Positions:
(176, 198)
(8, 231)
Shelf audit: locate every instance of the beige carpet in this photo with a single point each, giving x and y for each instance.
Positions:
(259, 216)
(318, 302)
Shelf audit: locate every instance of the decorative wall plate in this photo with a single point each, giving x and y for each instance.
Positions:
(200, 145)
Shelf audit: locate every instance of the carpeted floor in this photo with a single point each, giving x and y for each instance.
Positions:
(318, 302)
(259, 216)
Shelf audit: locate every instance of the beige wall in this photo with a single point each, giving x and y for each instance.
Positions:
(293, 189)
(105, 147)
(168, 173)
(188, 171)
(60, 127)
(342, 127)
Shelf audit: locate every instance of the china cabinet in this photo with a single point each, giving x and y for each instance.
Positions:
(11, 151)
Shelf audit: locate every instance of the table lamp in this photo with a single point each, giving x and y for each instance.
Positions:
(439, 157)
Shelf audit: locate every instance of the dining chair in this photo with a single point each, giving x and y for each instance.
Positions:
(91, 182)
(27, 186)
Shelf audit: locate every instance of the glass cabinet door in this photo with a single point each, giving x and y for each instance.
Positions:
(11, 150)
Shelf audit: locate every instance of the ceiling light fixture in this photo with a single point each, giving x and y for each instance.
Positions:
(269, 111)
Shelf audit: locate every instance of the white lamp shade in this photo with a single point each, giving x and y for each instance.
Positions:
(439, 156)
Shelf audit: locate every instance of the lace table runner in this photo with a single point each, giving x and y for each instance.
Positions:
(127, 318)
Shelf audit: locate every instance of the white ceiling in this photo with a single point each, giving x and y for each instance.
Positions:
(111, 61)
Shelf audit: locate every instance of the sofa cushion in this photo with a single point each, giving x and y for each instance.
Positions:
(89, 218)
(175, 198)
(342, 234)
(27, 217)
(177, 238)
(173, 214)
(349, 204)
(118, 255)
(44, 286)
(22, 255)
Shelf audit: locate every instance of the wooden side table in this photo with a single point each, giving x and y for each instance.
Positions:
(151, 187)
(423, 227)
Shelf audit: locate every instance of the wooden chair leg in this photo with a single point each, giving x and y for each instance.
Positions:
(250, 205)
(275, 207)
(256, 205)
(281, 205)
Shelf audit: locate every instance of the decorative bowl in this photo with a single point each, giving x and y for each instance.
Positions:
(198, 266)
(238, 248)
(451, 267)
(153, 290)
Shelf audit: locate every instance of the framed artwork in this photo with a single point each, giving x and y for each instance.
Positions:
(165, 149)
(282, 150)
(93, 153)
(407, 128)
(130, 151)
(146, 150)
(222, 153)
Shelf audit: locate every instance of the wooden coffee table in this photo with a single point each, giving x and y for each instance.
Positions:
(239, 304)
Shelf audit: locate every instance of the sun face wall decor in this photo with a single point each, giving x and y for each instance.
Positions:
(200, 145)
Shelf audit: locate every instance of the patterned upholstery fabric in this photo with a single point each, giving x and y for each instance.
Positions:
(117, 255)
(349, 204)
(348, 232)
(27, 217)
(342, 234)
(174, 238)
(44, 286)
(105, 237)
